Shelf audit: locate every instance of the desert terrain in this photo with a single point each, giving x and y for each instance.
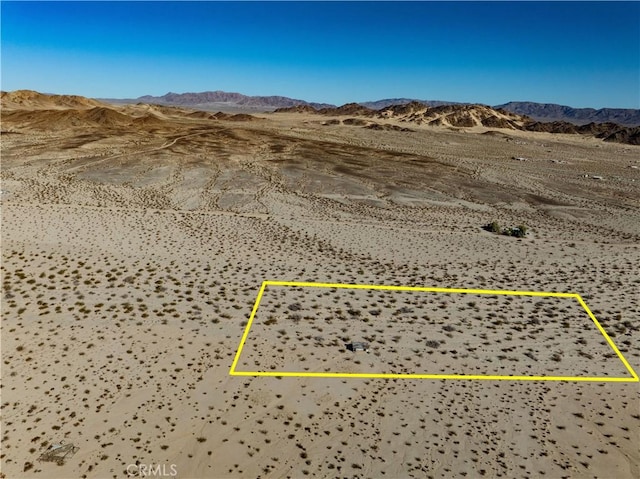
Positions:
(135, 239)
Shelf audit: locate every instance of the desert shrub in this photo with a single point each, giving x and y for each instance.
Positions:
(519, 231)
(493, 227)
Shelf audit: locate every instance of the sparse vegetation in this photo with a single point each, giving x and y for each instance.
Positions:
(129, 273)
(519, 231)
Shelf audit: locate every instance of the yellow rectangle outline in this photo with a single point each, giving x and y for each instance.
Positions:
(233, 372)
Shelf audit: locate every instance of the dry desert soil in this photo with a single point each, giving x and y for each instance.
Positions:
(135, 241)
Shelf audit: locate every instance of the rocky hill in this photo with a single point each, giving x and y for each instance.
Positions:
(578, 116)
(25, 108)
(544, 112)
(420, 113)
(349, 109)
(33, 100)
(469, 116)
(55, 119)
(48, 111)
(453, 115)
(378, 104)
(606, 131)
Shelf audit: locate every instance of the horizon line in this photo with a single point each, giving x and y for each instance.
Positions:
(403, 98)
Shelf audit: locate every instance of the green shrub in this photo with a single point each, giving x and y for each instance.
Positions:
(523, 230)
(492, 227)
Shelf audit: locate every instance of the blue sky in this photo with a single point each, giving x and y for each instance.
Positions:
(582, 54)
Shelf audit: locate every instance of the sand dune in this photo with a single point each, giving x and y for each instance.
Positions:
(133, 250)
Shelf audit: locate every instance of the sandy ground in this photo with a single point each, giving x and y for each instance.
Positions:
(131, 260)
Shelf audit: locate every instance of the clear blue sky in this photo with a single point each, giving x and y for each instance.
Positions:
(576, 53)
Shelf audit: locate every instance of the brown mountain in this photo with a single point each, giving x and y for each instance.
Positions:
(607, 131)
(237, 117)
(468, 116)
(542, 112)
(380, 104)
(416, 112)
(202, 115)
(296, 109)
(65, 118)
(630, 136)
(552, 127)
(579, 116)
(33, 100)
(30, 108)
(411, 108)
(464, 116)
(347, 109)
(26, 108)
(215, 99)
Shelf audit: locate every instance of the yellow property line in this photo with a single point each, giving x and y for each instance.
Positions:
(246, 330)
(609, 340)
(276, 374)
(419, 288)
(233, 372)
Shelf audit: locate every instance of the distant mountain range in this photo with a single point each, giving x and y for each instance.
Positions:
(220, 99)
(544, 112)
(465, 116)
(24, 107)
(578, 116)
(27, 108)
(377, 105)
